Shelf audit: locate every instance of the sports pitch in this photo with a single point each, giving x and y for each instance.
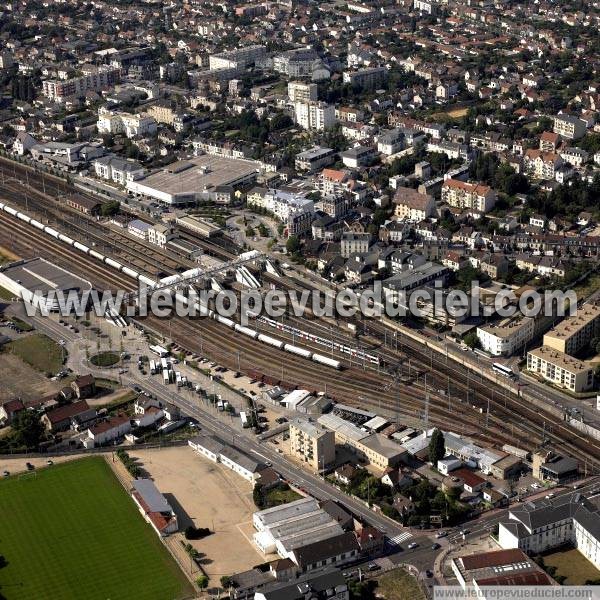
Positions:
(70, 531)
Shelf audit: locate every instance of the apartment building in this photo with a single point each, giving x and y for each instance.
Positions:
(312, 443)
(470, 196)
(132, 125)
(574, 333)
(561, 369)
(117, 169)
(314, 158)
(315, 116)
(508, 337)
(239, 58)
(541, 165)
(366, 78)
(543, 525)
(355, 243)
(412, 205)
(569, 127)
(302, 92)
(94, 79)
(374, 449)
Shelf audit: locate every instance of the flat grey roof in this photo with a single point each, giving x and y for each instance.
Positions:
(155, 501)
(197, 174)
(38, 274)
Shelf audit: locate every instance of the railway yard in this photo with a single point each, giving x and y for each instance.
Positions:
(406, 383)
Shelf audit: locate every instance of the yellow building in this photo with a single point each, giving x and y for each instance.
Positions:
(312, 443)
(574, 333)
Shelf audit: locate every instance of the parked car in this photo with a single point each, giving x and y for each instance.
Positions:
(412, 545)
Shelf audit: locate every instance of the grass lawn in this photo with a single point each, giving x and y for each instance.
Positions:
(5, 294)
(39, 351)
(74, 533)
(573, 565)
(277, 496)
(105, 359)
(399, 585)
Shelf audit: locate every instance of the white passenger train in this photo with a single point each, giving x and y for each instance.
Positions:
(203, 310)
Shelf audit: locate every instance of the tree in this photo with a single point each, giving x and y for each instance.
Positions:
(202, 582)
(293, 244)
(28, 429)
(437, 447)
(226, 581)
(472, 340)
(110, 208)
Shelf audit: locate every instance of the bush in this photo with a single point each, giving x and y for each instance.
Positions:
(202, 582)
(196, 533)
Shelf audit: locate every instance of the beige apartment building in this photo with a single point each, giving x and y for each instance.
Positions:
(574, 333)
(312, 443)
(471, 196)
(561, 369)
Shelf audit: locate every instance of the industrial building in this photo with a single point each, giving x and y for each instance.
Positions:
(188, 181)
(374, 449)
(304, 533)
(41, 279)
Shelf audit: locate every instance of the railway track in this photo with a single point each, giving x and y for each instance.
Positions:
(234, 350)
(528, 425)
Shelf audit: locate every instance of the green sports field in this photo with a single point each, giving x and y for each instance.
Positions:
(71, 532)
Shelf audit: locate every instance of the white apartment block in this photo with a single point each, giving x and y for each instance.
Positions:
(237, 59)
(506, 338)
(315, 116)
(542, 525)
(117, 169)
(469, 196)
(569, 127)
(561, 369)
(302, 92)
(95, 79)
(132, 125)
(541, 165)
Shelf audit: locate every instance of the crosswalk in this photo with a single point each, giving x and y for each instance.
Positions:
(398, 539)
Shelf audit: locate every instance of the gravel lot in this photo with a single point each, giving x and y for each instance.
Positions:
(207, 495)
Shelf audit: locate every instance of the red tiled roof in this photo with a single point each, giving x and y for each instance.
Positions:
(531, 578)
(496, 558)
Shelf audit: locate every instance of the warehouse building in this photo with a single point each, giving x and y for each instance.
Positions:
(199, 178)
(41, 279)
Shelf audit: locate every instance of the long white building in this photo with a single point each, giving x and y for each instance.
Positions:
(542, 525)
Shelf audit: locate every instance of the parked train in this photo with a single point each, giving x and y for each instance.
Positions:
(203, 310)
(81, 247)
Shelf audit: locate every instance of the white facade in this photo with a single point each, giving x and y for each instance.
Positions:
(315, 116)
(131, 125)
(505, 340)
